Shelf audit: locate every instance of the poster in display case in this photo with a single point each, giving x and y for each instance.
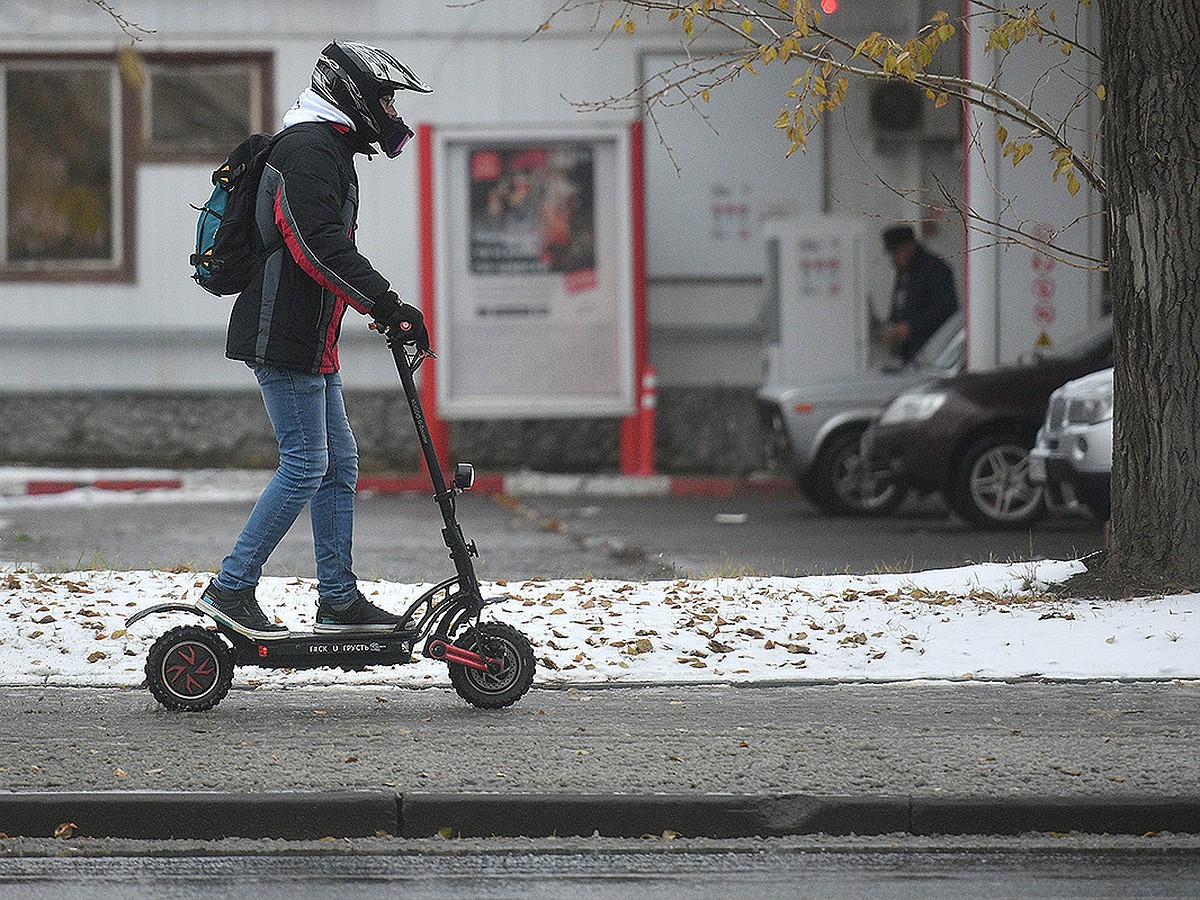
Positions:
(534, 291)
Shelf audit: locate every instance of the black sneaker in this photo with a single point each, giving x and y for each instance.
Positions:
(240, 611)
(360, 615)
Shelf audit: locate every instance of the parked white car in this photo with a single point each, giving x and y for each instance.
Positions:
(1073, 454)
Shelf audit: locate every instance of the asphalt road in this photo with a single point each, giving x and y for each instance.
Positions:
(398, 537)
(597, 869)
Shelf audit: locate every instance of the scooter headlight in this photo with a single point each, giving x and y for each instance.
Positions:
(464, 476)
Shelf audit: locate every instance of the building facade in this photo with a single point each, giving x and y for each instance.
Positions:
(115, 356)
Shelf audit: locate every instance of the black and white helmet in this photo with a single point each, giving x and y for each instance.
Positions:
(353, 76)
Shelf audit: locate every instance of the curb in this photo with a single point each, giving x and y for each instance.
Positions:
(302, 816)
(34, 482)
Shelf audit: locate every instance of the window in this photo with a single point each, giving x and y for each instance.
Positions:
(196, 107)
(73, 129)
(64, 174)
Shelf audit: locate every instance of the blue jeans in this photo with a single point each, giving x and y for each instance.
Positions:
(318, 466)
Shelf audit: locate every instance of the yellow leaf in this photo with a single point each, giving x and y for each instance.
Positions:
(942, 100)
(617, 24)
(1101, 92)
(747, 26)
(129, 64)
(1066, 48)
(704, 96)
(630, 26)
(673, 15)
(1072, 184)
(1002, 134)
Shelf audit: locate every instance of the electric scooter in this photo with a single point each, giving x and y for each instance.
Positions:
(491, 665)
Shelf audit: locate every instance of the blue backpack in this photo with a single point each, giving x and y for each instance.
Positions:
(227, 241)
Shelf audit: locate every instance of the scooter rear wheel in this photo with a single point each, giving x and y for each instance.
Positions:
(189, 669)
(498, 641)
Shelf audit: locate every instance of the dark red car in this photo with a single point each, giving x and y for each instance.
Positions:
(969, 436)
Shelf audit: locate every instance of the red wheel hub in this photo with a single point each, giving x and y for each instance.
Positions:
(190, 669)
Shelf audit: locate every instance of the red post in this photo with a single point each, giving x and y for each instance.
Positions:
(645, 416)
(439, 430)
(637, 430)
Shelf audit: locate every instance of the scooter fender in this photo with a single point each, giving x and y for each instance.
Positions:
(177, 606)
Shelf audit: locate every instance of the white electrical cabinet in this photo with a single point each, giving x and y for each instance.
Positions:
(817, 318)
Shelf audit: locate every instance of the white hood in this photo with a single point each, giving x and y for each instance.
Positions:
(312, 108)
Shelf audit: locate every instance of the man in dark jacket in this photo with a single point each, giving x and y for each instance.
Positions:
(923, 297)
(285, 327)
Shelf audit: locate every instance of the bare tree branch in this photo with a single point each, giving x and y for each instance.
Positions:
(132, 29)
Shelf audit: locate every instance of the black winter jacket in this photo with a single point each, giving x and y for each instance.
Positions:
(924, 297)
(290, 315)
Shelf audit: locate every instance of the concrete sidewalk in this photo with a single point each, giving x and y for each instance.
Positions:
(697, 761)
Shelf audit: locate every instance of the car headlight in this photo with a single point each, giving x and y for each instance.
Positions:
(913, 407)
(1090, 410)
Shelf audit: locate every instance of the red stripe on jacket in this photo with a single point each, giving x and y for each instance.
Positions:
(329, 354)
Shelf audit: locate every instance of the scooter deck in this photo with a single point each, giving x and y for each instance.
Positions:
(307, 650)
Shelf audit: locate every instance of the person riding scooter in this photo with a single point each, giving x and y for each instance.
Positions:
(285, 327)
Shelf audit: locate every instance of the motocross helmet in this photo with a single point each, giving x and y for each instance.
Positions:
(353, 76)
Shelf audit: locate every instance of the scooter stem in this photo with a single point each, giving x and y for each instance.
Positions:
(460, 551)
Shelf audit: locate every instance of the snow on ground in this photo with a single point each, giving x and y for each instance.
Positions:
(983, 621)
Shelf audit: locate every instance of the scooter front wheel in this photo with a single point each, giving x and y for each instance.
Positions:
(497, 641)
(189, 669)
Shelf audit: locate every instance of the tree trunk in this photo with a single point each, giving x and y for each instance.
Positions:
(1151, 50)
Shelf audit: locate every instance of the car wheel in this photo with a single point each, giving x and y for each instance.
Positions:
(842, 483)
(991, 485)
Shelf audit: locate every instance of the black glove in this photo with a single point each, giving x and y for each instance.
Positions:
(401, 320)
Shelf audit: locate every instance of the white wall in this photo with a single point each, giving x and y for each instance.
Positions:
(162, 330)
(1017, 294)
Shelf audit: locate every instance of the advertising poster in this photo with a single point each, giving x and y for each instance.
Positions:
(534, 300)
(532, 209)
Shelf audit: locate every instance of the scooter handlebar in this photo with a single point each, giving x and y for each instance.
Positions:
(413, 354)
